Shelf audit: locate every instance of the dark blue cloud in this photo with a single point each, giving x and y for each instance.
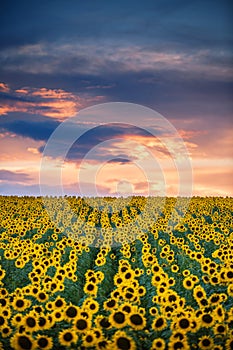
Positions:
(162, 21)
(33, 126)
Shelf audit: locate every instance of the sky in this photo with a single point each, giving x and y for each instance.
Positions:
(59, 58)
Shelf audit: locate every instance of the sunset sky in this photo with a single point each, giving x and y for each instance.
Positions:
(172, 56)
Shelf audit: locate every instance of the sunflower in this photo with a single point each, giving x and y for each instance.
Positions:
(171, 281)
(110, 304)
(6, 331)
(126, 307)
(176, 344)
(188, 283)
(30, 322)
(81, 323)
(71, 312)
(153, 311)
(229, 344)
(3, 321)
(141, 291)
(206, 342)
(175, 268)
(183, 324)
(214, 279)
(199, 293)
(90, 288)
(178, 336)
(49, 306)
(91, 306)
(22, 342)
(102, 322)
(20, 304)
(3, 292)
(2, 273)
(159, 323)
(43, 322)
(229, 275)
(118, 280)
(103, 344)
(44, 342)
(89, 339)
(186, 273)
(122, 341)
(16, 320)
(158, 344)
(195, 324)
(59, 303)
(207, 320)
(214, 299)
(220, 329)
(128, 275)
(67, 337)
(230, 290)
(118, 319)
(42, 297)
(219, 313)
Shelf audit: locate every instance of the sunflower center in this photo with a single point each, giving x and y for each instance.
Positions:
(59, 303)
(42, 321)
(71, 312)
(159, 322)
(119, 317)
(19, 303)
(1, 320)
(43, 342)
(123, 343)
(207, 318)
(24, 342)
(90, 287)
(42, 296)
(89, 338)
(178, 345)
(31, 322)
(81, 324)
(111, 303)
(68, 336)
(206, 342)
(136, 319)
(184, 323)
(221, 329)
(104, 323)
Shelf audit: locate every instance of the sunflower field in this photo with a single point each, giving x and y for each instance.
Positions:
(138, 273)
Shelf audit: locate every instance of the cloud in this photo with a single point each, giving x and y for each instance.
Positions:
(120, 160)
(54, 103)
(33, 150)
(105, 133)
(4, 87)
(16, 177)
(38, 129)
(177, 22)
(97, 59)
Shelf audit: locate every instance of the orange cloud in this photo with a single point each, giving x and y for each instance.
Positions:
(4, 87)
(54, 103)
